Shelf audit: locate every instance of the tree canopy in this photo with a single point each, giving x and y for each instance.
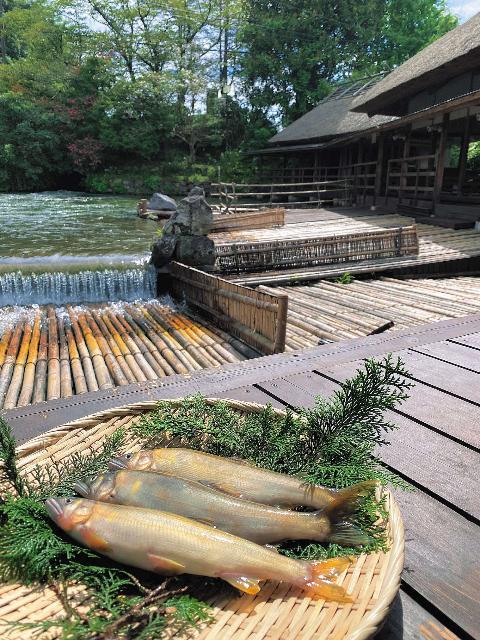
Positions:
(179, 87)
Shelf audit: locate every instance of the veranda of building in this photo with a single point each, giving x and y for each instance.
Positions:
(406, 140)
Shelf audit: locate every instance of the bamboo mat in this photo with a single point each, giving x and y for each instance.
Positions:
(48, 352)
(329, 311)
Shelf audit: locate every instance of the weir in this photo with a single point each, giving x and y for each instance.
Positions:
(59, 287)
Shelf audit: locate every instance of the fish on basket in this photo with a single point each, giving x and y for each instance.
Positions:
(260, 523)
(239, 478)
(171, 544)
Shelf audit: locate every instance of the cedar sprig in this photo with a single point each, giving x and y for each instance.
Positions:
(9, 474)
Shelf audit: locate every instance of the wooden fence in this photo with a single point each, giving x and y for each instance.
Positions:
(259, 319)
(237, 257)
(263, 219)
(234, 196)
(411, 179)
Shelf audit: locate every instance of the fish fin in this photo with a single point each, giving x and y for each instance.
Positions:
(346, 501)
(223, 487)
(94, 541)
(330, 569)
(321, 585)
(165, 565)
(348, 534)
(247, 585)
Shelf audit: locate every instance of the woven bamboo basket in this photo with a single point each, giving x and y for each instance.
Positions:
(278, 612)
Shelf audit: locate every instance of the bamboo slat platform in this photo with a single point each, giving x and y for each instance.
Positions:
(328, 311)
(48, 353)
(308, 244)
(435, 245)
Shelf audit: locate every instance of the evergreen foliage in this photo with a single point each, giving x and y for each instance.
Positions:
(332, 443)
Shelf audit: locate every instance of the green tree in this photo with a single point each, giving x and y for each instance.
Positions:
(294, 49)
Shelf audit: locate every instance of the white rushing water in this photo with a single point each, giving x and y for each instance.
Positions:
(57, 287)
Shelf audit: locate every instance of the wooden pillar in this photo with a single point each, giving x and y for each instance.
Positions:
(403, 167)
(379, 168)
(440, 161)
(462, 166)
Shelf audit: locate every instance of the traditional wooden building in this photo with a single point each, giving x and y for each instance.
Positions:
(408, 140)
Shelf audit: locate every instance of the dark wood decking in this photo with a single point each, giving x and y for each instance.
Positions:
(436, 449)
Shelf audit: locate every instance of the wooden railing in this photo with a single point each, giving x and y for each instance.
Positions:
(263, 219)
(234, 196)
(259, 319)
(411, 179)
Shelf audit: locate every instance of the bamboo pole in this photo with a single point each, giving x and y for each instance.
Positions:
(87, 365)
(113, 366)
(132, 346)
(40, 381)
(115, 349)
(132, 363)
(66, 387)
(15, 385)
(133, 333)
(78, 375)
(4, 342)
(9, 363)
(53, 375)
(26, 392)
(164, 360)
(101, 370)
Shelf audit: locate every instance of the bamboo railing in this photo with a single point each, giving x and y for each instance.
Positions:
(304, 245)
(257, 318)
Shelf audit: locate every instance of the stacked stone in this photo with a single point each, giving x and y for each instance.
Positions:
(184, 237)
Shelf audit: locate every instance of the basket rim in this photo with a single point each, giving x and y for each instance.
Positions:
(372, 620)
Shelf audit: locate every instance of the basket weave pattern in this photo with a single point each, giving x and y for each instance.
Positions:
(278, 612)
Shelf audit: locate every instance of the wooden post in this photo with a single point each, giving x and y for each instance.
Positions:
(379, 168)
(406, 153)
(462, 165)
(281, 329)
(440, 161)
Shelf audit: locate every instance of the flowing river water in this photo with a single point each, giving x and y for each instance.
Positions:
(61, 247)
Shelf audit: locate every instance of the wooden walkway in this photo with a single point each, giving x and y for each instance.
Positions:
(436, 448)
(436, 245)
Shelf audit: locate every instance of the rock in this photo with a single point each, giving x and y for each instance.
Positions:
(161, 202)
(195, 250)
(193, 216)
(163, 250)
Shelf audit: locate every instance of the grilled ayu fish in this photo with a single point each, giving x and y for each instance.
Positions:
(257, 522)
(171, 544)
(239, 478)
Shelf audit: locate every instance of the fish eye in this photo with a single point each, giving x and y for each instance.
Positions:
(68, 500)
(128, 455)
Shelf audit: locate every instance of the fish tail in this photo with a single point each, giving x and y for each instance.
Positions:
(321, 583)
(346, 501)
(348, 535)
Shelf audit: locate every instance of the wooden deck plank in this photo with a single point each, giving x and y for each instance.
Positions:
(30, 421)
(458, 354)
(458, 420)
(408, 620)
(419, 454)
(472, 340)
(442, 375)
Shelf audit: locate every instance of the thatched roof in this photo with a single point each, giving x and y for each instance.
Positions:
(454, 53)
(331, 118)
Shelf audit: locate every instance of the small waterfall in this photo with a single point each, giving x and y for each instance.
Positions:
(58, 287)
